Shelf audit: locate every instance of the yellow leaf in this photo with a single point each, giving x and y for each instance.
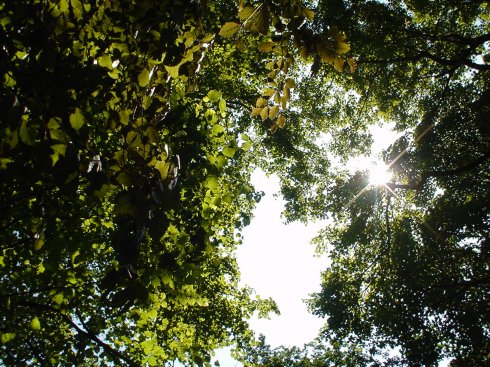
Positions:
(268, 92)
(261, 102)
(163, 168)
(245, 13)
(308, 13)
(264, 113)
(352, 64)
(281, 120)
(266, 46)
(342, 48)
(229, 29)
(256, 111)
(338, 64)
(290, 83)
(144, 78)
(76, 119)
(274, 111)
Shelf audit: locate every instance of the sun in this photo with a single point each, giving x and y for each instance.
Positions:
(379, 174)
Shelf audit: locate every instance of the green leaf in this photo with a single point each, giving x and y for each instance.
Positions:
(222, 106)
(229, 151)
(173, 71)
(5, 338)
(35, 324)
(24, 133)
(229, 29)
(58, 299)
(144, 78)
(76, 119)
(214, 95)
(105, 61)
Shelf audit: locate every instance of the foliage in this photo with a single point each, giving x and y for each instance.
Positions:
(410, 258)
(125, 160)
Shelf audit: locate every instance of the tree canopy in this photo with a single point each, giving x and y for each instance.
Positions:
(129, 130)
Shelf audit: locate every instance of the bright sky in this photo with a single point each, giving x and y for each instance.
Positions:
(278, 261)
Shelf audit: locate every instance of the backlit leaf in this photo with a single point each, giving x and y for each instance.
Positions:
(77, 119)
(264, 114)
(274, 111)
(144, 78)
(229, 29)
(266, 46)
(342, 48)
(281, 120)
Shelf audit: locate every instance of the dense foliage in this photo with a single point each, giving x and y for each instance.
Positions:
(125, 160)
(408, 284)
(129, 130)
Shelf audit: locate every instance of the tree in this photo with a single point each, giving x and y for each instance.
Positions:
(126, 152)
(410, 258)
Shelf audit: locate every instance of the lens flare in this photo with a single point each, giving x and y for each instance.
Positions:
(379, 174)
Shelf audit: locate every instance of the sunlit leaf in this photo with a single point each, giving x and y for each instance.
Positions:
(281, 120)
(144, 78)
(342, 48)
(264, 114)
(77, 119)
(229, 29)
(266, 46)
(35, 324)
(245, 13)
(274, 111)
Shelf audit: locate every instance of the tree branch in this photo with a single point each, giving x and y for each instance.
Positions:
(426, 175)
(115, 354)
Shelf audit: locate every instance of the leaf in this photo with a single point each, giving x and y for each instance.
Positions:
(35, 324)
(352, 64)
(229, 152)
(152, 314)
(74, 256)
(290, 83)
(163, 168)
(338, 64)
(58, 299)
(264, 113)
(105, 61)
(256, 111)
(222, 106)
(229, 29)
(342, 48)
(245, 13)
(124, 116)
(6, 337)
(76, 119)
(214, 95)
(260, 22)
(274, 111)
(24, 133)
(261, 102)
(173, 71)
(268, 92)
(54, 123)
(267, 46)
(308, 13)
(144, 78)
(281, 120)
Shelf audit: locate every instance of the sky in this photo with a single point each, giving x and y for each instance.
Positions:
(278, 261)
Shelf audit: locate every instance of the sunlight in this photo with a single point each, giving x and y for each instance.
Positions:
(379, 174)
